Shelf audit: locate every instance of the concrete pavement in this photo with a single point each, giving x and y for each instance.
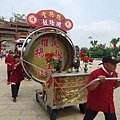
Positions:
(26, 107)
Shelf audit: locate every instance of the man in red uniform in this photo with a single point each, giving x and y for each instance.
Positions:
(100, 93)
(16, 77)
(9, 62)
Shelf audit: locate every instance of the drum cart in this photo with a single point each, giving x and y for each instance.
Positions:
(59, 92)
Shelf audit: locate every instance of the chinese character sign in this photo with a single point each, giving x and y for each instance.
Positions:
(39, 53)
(44, 46)
(49, 18)
(41, 73)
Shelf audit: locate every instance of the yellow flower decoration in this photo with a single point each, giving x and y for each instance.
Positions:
(110, 45)
(96, 45)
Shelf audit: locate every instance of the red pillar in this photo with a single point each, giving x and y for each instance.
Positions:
(0, 46)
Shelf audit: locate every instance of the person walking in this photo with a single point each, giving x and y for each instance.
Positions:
(9, 61)
(100, 93)
(16, 77)
(1, 55)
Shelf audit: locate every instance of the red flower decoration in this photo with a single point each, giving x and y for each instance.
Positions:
(85, 58)
(48, 59)
(84, 51)
(81, 54)
(101, 45)
(47, 54)
(52, 54)
(52, 59)
(90, 59)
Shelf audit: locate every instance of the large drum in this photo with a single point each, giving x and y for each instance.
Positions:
(47, 40)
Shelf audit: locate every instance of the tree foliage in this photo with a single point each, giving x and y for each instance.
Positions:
(100, 50)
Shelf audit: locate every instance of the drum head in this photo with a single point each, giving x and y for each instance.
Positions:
(46, 43)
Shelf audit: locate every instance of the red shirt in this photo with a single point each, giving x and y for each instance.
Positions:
(9, 59)
(101, 99)
(17, 74)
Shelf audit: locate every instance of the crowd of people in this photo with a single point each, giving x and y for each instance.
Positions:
(3, 53)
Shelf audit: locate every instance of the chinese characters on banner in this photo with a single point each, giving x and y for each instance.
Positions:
(40, 52)
(49, 18)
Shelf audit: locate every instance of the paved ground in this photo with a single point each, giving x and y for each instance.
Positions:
(26, 107)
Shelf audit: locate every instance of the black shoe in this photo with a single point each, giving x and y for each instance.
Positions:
(14, 99)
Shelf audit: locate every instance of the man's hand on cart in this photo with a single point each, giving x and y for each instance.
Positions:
(102, 78)
(92, 86)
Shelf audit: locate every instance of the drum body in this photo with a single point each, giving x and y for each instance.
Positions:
(47, 42)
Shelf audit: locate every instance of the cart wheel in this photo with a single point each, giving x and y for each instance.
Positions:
(82, 107)
(52, 114)
(37, 97)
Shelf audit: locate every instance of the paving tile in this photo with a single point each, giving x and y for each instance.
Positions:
(3, 106)
(10, 112)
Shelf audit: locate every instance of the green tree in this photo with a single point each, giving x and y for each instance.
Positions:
(114, 41)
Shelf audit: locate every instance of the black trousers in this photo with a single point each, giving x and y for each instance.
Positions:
(8, 74)
(91, 114)
(15, 89)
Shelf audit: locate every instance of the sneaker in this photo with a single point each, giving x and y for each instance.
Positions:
(14, 99)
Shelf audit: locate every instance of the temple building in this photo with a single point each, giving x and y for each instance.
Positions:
(13, 32)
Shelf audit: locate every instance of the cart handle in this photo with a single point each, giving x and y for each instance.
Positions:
(33, 66)
(98, 79)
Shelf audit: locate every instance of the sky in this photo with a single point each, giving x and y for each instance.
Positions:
(97, 18)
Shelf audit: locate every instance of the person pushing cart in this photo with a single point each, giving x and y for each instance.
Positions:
(100, 93)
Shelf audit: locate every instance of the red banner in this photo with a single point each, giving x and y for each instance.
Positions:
(49, 18)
